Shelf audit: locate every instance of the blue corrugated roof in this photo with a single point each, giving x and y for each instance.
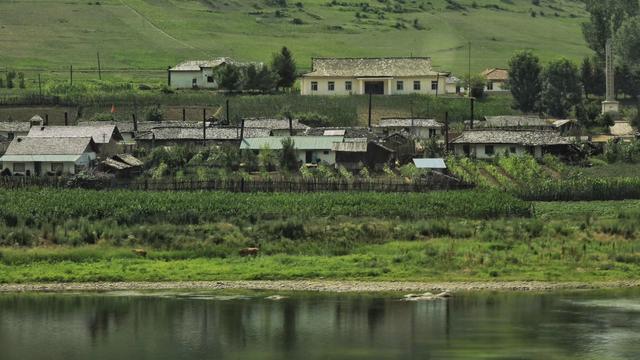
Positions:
(430, 163)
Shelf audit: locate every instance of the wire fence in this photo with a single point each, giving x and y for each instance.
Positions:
(298, 185)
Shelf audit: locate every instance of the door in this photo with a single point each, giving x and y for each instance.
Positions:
(374, 87)
(37, 168)
(308, 157)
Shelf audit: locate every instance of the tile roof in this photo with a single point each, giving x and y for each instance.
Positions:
(527, 138)
(496, 74)
(273, 124)
(514, 121)
(193, 133)
(351, 146)
(301, 142)
(197, 65)
(15, 126)
(127, 126)
(372, 67)
(408, 122)
(49, 146)
(100, 134)
(347, 132)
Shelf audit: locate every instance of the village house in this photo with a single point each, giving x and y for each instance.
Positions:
(309, 149)
(355, 132)
(378, 76)
(107, 138)
(38, 156)
(122, 165)
(454, 86)
(416, 127)
(354, 154)
(530, 122)
(623, 130)
(11, 130)
(199, 74)
(496, 79)
(197, 136)
(277, 127)
(486, 144)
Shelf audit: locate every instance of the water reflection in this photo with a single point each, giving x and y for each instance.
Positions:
(312, 326)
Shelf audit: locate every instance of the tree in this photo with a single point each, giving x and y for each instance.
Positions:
(586, 75)
(229, 77)
(476, 85)
(285, 67)
(592, 76)
(606, 17)
(524, 80)
(561, 88)
(288, 158)
(627, 81)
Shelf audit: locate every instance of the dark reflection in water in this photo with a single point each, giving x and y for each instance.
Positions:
(221, 325)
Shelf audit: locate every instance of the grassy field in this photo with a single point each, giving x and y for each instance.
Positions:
(138, 39)
(435, 237)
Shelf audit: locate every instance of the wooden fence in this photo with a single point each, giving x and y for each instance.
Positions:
(238, 185)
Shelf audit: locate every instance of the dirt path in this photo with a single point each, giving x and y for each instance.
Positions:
(323, 286)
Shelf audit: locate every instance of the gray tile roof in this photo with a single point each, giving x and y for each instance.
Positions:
(349, 132)
(273, 124)
(49, 146)
(197, 65)
(127, 126)
(100, 134)
(400, 122)
(193, 133)
(516, 137)
(371, 67)
(514, 121)
(17, 126)
(300, 142)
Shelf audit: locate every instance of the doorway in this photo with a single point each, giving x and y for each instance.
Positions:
(374, 87)
(308, 157)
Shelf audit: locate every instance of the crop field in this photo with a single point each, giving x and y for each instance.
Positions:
(138, 39)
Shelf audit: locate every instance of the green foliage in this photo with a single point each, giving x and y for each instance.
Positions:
(561, 89)
(288, 158)
(477, 84)
(285, 66)
(229, 77)
(525, 80)
(627, 152)
(154, 113)
(606, 17)
(262, 80)
(592, 76)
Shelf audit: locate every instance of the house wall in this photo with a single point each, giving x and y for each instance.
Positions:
(110, 148)
(67, 167)
(184, 79)
(497, 86)
(317, 155)
(478, 150)
(420, 132)
(451, 89)
(358, 86)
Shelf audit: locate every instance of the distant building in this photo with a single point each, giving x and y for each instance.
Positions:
(199, 74)
(277, 127)
(309, 149)
(379, 76)
(33, 156)
(171, 136)
(496, 78)
(11, 130)
(416, 127)
(107, 138)
(454, 85)
(623, 130)
(354, 154)
(530, 122)
(487, 144)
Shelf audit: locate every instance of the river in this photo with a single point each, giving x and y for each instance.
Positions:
(247, 325)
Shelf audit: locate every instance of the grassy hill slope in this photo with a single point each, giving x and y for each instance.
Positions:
(152, 34)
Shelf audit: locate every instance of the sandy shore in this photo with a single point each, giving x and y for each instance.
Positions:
(323, 285)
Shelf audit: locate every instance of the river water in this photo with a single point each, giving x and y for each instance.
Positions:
(247, 325)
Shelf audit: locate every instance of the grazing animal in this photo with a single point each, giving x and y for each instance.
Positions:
(250, 251)
(140, 252)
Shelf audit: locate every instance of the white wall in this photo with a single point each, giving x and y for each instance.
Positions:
(328, 159)
(184, 79)
(497, 86)
(478, 150)
(358, 86)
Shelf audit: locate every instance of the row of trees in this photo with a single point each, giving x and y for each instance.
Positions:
(280, 75)
(10, 78)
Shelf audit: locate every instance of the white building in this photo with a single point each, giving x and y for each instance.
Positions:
(107, 137)
(309, 149)
(30, 156)
(487, 144)
(200, 74)
(496, 78)
(419, 128)
(379, 76)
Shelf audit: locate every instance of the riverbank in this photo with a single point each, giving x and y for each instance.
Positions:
(325, 286)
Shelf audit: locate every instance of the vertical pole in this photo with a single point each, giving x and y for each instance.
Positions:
(204, 126)
(370, 101)
(46, 119)
(437, 83)
(241, 130)
(227, 112)
(71, 74)
(184, 114)
(135, 123)
(169, 76)
(99, 70)
(469, 76)
(472, 111)
(446, 131)
(66, 118)
(40, 86)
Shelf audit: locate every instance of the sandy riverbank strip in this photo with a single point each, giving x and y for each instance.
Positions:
(324, 286)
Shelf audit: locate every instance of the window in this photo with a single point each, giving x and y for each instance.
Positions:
(331, 86)
(512, 149)
(432, 133)
(434, 85)
(57, 167)
(194, 82)
(10, 136)
(489, 150)
(326, 152)
(457, 89)
(400, 85)
(18, 168)
(490, 85)
(416, 85)
(314, 86)
(209, 79)
(348, 86)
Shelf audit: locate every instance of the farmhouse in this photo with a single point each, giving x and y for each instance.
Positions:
(171, 136)
(530, 122)
(107, 138)
(486, 144)
(378, 76)
(496, 78)
(199, 73)
(309, 149)
(355, 154)
(277, 127)
(454, 85)
(34, 156)
(419, 128)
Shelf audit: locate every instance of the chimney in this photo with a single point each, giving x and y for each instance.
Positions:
(135, 123)
(66, 118)
(241, 129)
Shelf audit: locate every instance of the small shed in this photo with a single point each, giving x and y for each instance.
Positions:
(358, 153)
(430, 164)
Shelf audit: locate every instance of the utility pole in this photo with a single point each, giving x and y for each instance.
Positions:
(227, 113)
(71, 75)
(99, 70)
(469, 76)
(40, 86)
(446, 132)
(370, 100)
(472, 101)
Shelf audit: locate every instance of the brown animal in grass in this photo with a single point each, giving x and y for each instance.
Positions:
(250, 251)
(140, 252)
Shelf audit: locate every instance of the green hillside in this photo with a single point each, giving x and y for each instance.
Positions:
(152, 34)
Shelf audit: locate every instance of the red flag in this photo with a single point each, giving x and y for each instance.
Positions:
(113, 109)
